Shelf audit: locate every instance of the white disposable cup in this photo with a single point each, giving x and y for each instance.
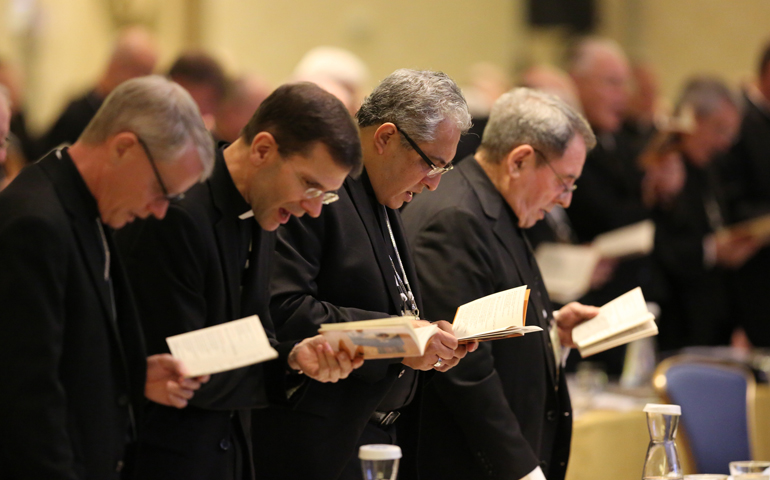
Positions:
(379, 462)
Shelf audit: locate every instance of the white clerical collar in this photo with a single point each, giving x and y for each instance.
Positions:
(246, 215)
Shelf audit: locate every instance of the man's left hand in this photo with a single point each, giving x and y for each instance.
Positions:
(569, 316)
(166, 383)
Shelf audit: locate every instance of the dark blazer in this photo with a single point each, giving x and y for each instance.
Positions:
(333, 268)
(609, 197)
(71, 123)
(701, 309)
(506, 402)
(747, 174)
(187, 273)
(73, 372)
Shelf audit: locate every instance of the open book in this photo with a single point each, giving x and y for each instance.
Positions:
(620, 321)
(222, 347)
(392, 337)
(567, 269)
(758, 227)
(500, 315)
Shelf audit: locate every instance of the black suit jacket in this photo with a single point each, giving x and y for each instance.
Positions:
(71, 123)
(504, 400)
(72, 370)
(747, 174)
(333, 268)
(701, 309)
(187, 274)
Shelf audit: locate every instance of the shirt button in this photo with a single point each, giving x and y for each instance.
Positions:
(224, 444)
(401, 373)
(545, 314)
(550, 415)
(119, 466)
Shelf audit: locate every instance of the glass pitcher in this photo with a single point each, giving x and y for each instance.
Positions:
(662, 460)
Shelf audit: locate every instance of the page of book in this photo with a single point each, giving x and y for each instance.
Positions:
(493, 312)
(222, 347)
(627, 311)
(566, 269)
(646, 329)
(636, 239)
(369, 324)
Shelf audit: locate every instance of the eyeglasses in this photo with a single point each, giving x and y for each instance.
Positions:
(434, 170)
(567, 188)
(166, 195)
(326, 197)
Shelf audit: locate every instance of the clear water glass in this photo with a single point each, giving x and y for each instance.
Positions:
(750, 470)
(662, 461)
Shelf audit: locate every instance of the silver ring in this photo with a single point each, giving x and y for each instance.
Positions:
(438, 363)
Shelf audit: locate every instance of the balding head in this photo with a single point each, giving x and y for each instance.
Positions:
(135, 55)
(554, 81)
(601, 73)
(242, 97)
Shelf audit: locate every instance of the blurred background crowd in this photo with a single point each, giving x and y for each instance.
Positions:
(678, 94)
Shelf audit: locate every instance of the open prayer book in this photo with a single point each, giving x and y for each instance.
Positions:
(500, 315)
(567, 269)
(757, 227)
(222, 347)
(620, 321)
(392, 337)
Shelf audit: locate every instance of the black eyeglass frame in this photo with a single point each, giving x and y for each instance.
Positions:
(567, 188)
(434, 170)
(166, 195)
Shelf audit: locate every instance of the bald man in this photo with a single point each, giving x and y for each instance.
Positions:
(134, 55)
(242, 97)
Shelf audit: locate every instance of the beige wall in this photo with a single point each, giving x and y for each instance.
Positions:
(271, 36)
(722, 37)
(69, 42)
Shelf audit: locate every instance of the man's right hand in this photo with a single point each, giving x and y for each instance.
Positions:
(315, 357)
(442, 346)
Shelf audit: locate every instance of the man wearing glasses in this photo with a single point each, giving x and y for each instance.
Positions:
(75, 373)
(208, 263)
(508, 402)
(352, 263)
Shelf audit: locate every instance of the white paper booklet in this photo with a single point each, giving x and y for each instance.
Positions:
(222, 347)
(620, 321)
(636, 239)
(567, 269)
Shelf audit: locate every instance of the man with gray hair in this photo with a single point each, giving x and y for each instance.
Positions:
(353, 263)
(508, 402)
(75, 377)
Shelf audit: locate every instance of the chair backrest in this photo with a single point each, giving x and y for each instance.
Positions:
(713, 396)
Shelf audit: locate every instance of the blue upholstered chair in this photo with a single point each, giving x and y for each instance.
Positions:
(716, 398)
